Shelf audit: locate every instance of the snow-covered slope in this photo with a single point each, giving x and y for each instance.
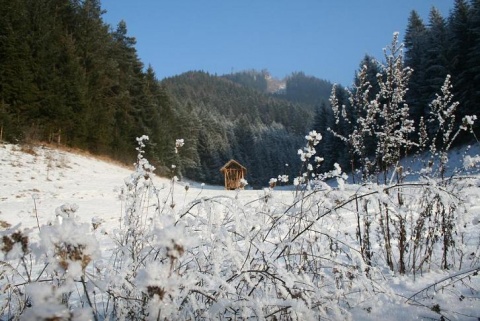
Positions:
(34, 181)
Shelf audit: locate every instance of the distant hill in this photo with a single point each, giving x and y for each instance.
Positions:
(308, 90)
(236, 117)
(297, 88)
(262, 81)
(232, 99)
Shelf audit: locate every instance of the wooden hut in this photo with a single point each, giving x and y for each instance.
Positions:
(234, 174)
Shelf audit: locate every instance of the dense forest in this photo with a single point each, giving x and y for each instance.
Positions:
(442, 46)
(65, 76)
(236, 121)
(68, 77)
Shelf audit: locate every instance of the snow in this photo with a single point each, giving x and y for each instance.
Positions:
(35, 185)
(77, 200)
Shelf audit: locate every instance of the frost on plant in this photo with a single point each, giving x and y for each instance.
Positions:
(178, 144)
(382, 121)
(69, 246)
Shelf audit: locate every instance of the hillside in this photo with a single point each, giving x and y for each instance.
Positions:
(231, 120)
(218, 95)
(298, 88)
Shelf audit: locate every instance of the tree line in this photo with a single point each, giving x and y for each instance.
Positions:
(234, 119)
(442, 46)
(67, 76)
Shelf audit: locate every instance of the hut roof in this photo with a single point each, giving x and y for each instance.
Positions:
(232, 163)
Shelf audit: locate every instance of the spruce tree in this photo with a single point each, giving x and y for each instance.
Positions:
(416, 46)
(473, 63)
(436, 60)
(459, 44)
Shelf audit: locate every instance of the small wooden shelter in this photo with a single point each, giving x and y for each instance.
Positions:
(234, 174)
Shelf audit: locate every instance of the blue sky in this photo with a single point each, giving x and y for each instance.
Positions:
(325, 39)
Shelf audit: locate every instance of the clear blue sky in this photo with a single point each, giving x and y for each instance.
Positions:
(325, 39)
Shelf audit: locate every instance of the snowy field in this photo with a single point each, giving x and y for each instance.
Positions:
(35, 182)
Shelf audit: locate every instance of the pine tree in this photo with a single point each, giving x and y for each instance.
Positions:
(416, 46)
(17, 88)
(372, 69)
(94, 46)
(473, 64)
(320, 119)
(436, 60)
(461, 44)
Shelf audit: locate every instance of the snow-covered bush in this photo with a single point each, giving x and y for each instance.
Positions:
(409, 215)
(41, 279)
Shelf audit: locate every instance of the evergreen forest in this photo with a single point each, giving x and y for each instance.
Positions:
(69, 78)
(432, 50)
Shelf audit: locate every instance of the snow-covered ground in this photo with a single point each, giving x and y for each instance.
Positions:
(36, 181)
